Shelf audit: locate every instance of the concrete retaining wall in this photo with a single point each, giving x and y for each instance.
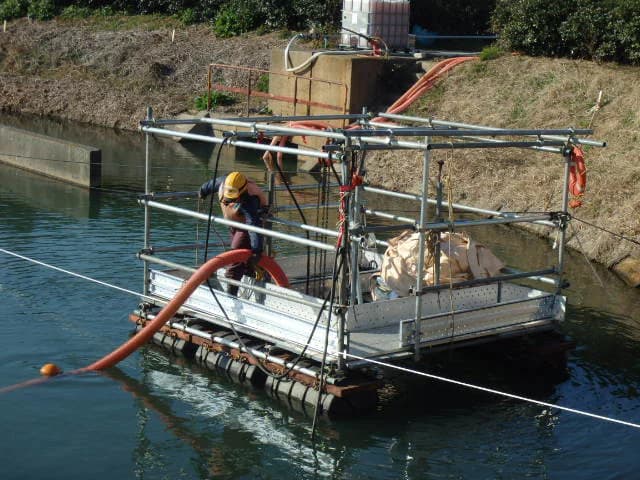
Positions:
(60, 159)
(360, 82)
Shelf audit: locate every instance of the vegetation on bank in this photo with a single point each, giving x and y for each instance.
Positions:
(79, 71)
(601, 30)
(228, 17)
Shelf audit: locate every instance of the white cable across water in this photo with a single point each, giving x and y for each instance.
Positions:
(369, 360)
(73, 274)
(490, 390)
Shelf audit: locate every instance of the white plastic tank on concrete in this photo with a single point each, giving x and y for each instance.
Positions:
(387, 19)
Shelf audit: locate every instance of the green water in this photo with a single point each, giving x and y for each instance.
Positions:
(158, 417)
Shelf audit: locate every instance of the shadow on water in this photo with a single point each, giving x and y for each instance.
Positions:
(523, 367)
(608, 347)
(174, 166)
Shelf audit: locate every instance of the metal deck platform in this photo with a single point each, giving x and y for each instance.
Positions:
(375, 329)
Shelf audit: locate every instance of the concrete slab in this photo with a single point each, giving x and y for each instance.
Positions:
(198, 128)
(60, 159)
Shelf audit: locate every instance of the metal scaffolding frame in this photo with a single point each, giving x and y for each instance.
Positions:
(364, 135)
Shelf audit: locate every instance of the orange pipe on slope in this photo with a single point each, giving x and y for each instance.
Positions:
(199, 277)
(423, 84)
(416, 90)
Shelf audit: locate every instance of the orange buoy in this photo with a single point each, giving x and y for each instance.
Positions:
(144, 335)
(50, 370)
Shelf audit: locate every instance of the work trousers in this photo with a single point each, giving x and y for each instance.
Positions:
(239, 240)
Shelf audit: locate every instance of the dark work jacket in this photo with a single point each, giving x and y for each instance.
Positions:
(248, 206)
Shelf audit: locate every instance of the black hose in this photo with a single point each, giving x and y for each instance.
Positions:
(215, 175)
(304, 220)
(226, 316)
(336, 269)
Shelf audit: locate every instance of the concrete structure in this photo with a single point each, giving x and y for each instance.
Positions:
(60, 159)
(357, 82)
(197, 128)
(333, 84)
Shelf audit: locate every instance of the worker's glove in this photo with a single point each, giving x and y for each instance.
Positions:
(254, 259)
(265, 211)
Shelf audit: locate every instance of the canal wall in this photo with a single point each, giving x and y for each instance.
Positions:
(60, 159)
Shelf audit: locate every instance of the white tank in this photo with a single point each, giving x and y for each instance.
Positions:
(388, 19)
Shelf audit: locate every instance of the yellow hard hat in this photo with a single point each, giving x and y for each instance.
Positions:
(234, 185)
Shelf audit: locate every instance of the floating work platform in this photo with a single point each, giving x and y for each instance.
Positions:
(323, 338)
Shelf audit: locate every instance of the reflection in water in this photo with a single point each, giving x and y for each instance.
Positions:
(174, 166)
(210, 460)
(41, 192)
(231, 425)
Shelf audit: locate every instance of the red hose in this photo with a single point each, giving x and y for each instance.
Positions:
(427, 81)
(199, 277)
(144, 335)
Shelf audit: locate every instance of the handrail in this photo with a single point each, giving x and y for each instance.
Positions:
(238, 225)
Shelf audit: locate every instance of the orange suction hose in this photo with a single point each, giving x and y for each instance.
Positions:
(144, 335)
(199, 277)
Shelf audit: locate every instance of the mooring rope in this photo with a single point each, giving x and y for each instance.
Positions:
(138, 294)
(598, 227)
(74, 274)
(489, 390)
(355, 357)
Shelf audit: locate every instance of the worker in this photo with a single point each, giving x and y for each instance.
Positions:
(241, 200)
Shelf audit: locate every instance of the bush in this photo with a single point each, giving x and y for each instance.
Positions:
(75, 11)
(531, 26)
(41, 9)
(584, 33)
(491, 52)
(627, 31)
(208, 9)
(312, 13)
(262, 85)
(237, 17)
(188, 16)
(592, 29)
(454, 17)
(107, 11)
(10, 9)
(216, 98)
(240, 16)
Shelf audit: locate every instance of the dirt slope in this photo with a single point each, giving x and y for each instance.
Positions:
(523, 92)
(108, 74)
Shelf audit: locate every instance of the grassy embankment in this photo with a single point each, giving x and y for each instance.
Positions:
(525, 92)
